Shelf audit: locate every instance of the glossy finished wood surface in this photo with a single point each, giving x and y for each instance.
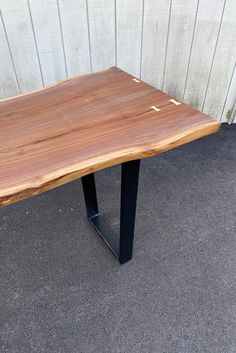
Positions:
(84, 124)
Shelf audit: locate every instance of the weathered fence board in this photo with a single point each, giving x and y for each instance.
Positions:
(46, 23)
(129, 35)
(182, 19)
(223, 64)
(8, 79)
(186, 47)
(203, 48)
(101, 15)
(18, 26)
(155, 31)
(76, 37)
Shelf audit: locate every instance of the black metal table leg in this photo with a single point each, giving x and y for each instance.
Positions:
(121, 246)
(129, 192)
(90, 195)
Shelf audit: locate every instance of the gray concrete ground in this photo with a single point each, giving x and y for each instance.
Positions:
(61, 290)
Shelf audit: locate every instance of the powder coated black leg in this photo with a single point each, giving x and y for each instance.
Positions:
(90, 195)
(129, 191)
(122, 246)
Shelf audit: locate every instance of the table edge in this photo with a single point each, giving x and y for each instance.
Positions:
(13, 195)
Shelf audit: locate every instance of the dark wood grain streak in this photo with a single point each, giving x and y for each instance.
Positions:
(84, 124)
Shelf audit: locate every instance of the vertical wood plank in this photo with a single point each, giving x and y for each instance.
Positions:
(182, 21)
(19, 31)
(129, 35)
(75, 30)
(223, 64)
(46, 23)
(230, 102)
(8, 80)
(155, 30)
(101, 15)
(233, 115)
(192, 58)
(205, 40)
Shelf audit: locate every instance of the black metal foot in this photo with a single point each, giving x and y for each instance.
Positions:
(121, 246)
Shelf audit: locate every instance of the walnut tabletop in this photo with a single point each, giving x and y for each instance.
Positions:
(76, 127)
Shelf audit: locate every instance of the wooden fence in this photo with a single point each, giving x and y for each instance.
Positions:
(185, 47)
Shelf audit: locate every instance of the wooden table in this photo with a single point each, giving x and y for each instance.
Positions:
(84, 124)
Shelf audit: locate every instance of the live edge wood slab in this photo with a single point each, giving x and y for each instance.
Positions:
(84, 124)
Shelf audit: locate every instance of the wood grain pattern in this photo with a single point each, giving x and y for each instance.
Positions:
(134, 34)
(84, 124)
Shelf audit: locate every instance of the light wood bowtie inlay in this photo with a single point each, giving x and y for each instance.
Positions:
(174, 101)
(155, 108)
(84, 124)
